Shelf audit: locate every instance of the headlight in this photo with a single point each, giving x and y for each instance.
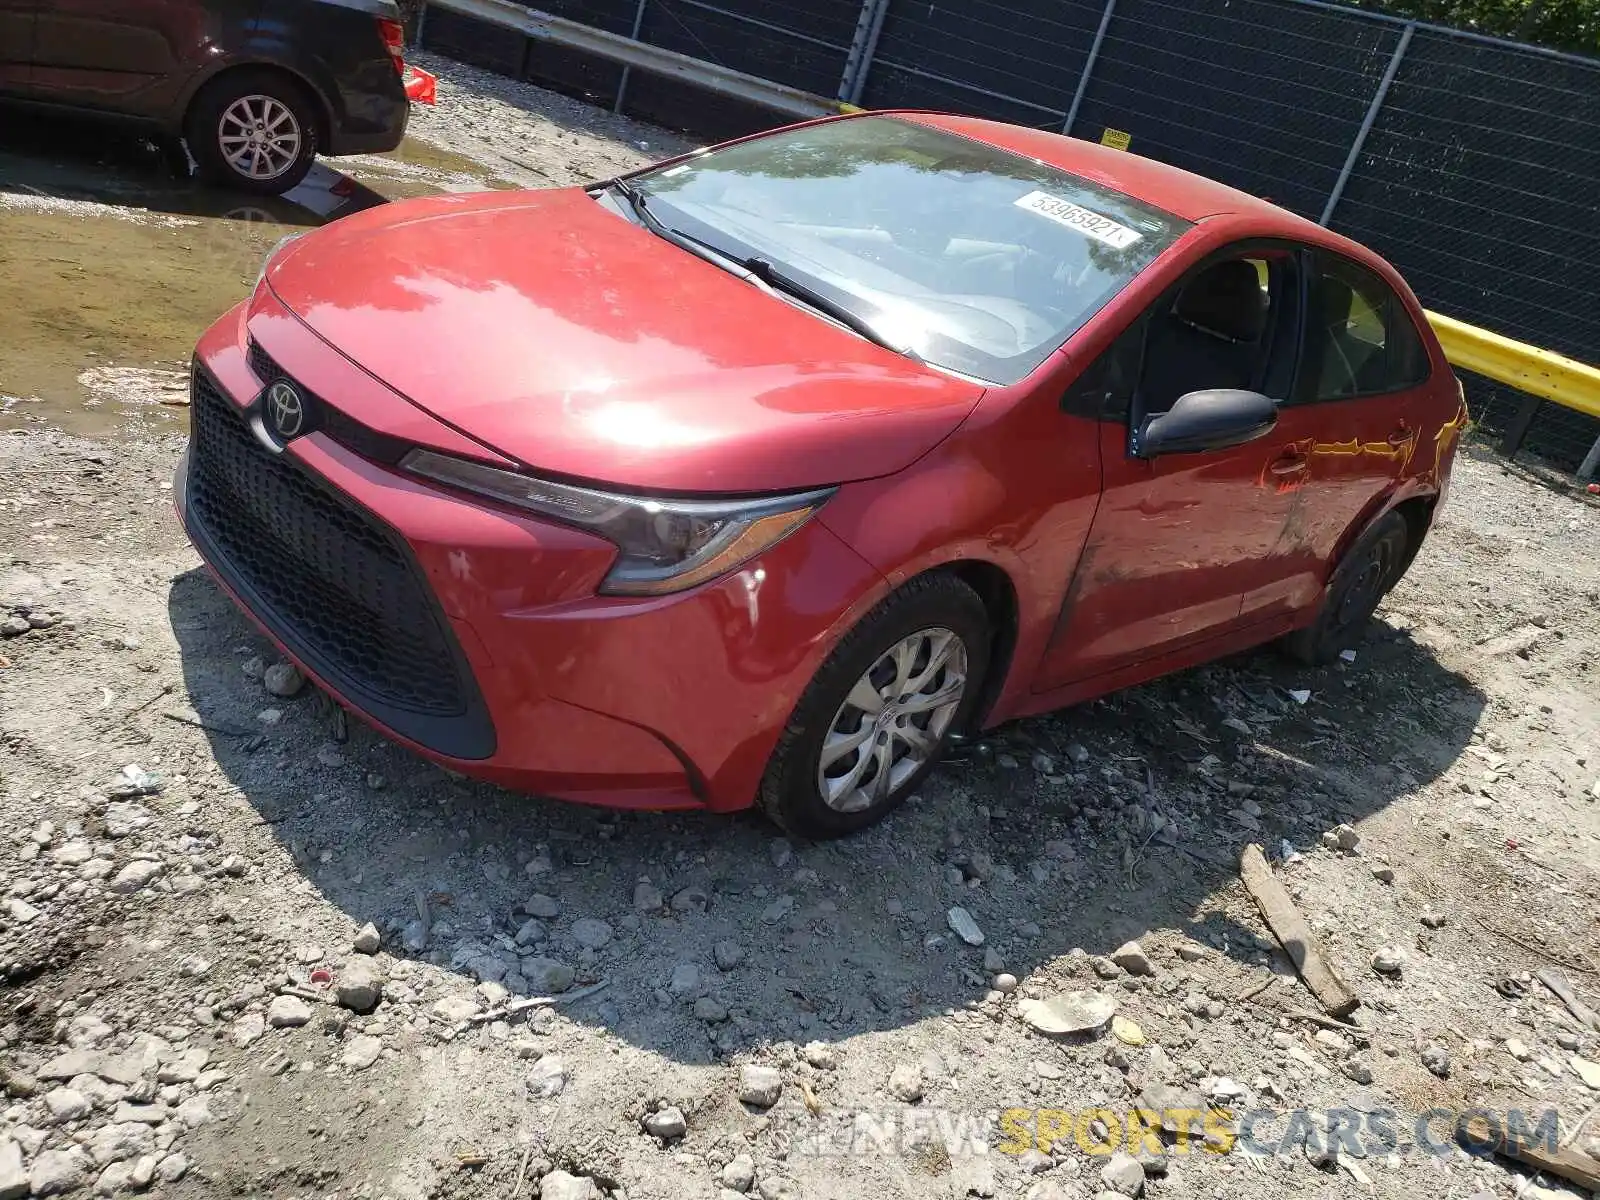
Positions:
(666, 545)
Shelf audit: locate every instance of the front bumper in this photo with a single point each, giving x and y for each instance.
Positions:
(671, 702)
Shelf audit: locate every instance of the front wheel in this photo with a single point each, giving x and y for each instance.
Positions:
(253, 131)
(1364, 576)
(880, 711)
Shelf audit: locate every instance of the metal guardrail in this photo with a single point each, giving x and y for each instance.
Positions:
(642, 56)
(1539, 374)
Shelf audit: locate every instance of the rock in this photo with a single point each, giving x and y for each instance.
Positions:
(134, 876)
(1005, 983)
(414, 937)
(283, 679)
(690, 900)
(193, 1112)
(361, 1052)
(531, 932)
(119, 1178)
(777, 1187)
(558, 1185)
(1346, 838)
(66, 1104)
(1383, 874)
(58, 1171)
(548, 1077)
(1587, 1071)
(1069, 1013)
(367, 940)
(666, 1124)
(540, 905)
(1566, 1039)
(14, 626)
(288, 1012)
(1034, 1161)
(685, 980)
(1130, 956)
(13, 1179)
(710, 1010)
(1105, 968)
(738, 1174)
(780, 852)
(1388, 960)
(1124, 1174)
(971, 1175)
(359, 986)
(1434, 920)
(73, 854)
(124, 818)
(727, 955)
(546, 976)
(20, 911)
(778, 911)
(905, 1083)
(964, 927)
(249, 1028)
(1357, 1070)
(453, 1010)
(1168, 1101)
(115, 1143)
(760, 1086)
(647, 897)
(172, 1168)
(821, 1055)
(1437, 1059)
(142, 1114)
(1192, 951)
(590, 933)
(1518, 1050)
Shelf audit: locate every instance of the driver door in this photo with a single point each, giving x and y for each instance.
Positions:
(1180, 540)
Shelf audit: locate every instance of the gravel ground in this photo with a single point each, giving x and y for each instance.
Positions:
(251, 949)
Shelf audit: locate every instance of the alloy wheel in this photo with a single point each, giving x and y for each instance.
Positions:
(259, 136)
(892, 720)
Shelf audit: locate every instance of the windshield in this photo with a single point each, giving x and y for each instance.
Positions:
(975, 259)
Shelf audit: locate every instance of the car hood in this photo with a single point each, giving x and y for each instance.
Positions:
(546, 326)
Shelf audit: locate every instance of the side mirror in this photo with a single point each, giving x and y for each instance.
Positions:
(1208, 420)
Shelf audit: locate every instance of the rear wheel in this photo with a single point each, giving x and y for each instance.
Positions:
(880, 711)
(254, 131)
(1364, 576)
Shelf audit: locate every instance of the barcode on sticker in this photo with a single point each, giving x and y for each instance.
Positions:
(1092, 224)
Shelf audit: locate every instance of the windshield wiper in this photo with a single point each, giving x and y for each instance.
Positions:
(773, 277)
(756, 270)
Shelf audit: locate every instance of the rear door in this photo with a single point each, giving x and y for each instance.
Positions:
(16, 44)
(1348, 430)
(131, 56)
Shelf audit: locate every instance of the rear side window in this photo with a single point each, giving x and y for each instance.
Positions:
(1360, 340)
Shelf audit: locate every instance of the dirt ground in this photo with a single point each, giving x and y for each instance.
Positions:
(186, 998)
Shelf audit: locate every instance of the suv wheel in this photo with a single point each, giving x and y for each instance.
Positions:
(878, 714)
(253, 131)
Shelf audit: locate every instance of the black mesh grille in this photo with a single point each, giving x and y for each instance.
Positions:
(337, 587)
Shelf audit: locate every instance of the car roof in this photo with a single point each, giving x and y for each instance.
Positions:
(1181, 193)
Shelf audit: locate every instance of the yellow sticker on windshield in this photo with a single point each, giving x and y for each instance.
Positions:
(1091, 224)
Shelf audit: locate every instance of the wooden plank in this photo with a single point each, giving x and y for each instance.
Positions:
(1572, 1165)
(1292, 932)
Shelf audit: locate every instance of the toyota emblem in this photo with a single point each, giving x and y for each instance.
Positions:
(285, 409)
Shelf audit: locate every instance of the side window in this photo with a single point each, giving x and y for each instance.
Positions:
(1360, 340)
(1228, 325)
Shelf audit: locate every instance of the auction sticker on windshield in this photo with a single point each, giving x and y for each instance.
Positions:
(1064, 212)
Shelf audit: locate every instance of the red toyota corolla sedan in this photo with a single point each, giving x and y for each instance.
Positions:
(755, 476)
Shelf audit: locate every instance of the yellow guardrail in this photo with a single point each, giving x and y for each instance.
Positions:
(1544, 373)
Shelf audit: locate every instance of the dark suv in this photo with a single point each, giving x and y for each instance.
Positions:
(255, 87)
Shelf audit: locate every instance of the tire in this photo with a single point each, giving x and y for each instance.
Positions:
(253, 103)
(1364, 576)
(932, 616)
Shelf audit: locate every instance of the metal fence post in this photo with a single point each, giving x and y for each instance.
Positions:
(416, 34)
(1378, 97)
(1088, 66)
(863, 45)
(622, 84)
(1590, 466)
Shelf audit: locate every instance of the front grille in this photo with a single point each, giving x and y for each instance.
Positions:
(320, 415)
(337, 587)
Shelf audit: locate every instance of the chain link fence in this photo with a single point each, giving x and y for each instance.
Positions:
(1472, 164)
